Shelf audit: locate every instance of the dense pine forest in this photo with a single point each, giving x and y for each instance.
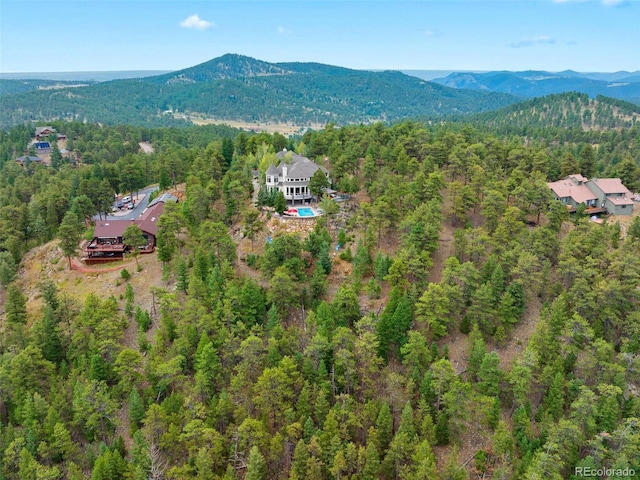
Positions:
(468, 327)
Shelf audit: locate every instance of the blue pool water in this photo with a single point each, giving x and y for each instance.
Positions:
(305, 212)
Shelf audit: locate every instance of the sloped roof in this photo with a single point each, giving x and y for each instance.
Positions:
(164, 198)
(304, 169)
(39, 130)
(578, 178)
(148, 221)
(620, 200)
(567, 188)
(611, 185)
(29, 158)
(110, 228)
(294, 156)
(297, 167)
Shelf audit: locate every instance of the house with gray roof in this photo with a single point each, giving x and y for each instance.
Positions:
(44, 132)
(163, 198)
(292, 175)
(27, 159)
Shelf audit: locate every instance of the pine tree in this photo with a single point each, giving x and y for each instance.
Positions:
(453, 470)
(384, 427)
(136, 410)
(52, 348)
(300, 459)
(424, 462)
(69, 234)
(15, 306)
(280, 203)
(587, 161)
(182, 282)
(8, 269)
(371, 470)
(256, 465)
(489, 375)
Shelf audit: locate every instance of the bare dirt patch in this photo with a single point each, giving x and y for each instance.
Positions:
(47, 261)
(270, 127)
(521, 334)
(146, 147)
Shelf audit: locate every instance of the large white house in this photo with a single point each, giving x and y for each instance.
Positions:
(292, 176)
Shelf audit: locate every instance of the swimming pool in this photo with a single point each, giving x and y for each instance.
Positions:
(306, 212)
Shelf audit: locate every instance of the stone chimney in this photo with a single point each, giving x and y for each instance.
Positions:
(284, 173)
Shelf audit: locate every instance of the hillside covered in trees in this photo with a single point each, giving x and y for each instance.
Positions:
(563, 111)
(234, 87)
(467, 327)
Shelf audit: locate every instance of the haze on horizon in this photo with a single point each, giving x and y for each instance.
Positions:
(552, 35)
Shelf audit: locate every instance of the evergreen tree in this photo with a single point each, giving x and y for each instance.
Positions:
(256, 465)
(136, 410)
(371, 468)
(15, 306)
(280, 203)
(587, 161)
(8, 269)
(52, 348)
(69, 234)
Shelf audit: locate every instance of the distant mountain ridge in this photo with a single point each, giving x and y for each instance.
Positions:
(243, 89)
(100, 76)
(622, 85)
(238, 88)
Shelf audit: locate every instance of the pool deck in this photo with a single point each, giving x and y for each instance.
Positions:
(294, 213)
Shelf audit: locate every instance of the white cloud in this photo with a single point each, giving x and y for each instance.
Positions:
(194, 21)
(283, 31)
(530, 42)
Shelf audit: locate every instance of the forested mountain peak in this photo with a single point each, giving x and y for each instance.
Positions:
(242, 89)
(228, 66)
(566, 110)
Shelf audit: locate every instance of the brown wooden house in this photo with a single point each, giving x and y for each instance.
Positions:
(108, 244)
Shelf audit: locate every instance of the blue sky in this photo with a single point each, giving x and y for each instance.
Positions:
(95, 35)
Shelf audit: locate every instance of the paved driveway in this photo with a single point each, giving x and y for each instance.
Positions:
(138, 209)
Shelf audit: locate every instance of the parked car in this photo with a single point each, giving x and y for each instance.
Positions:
(130, 206)
(126, 199)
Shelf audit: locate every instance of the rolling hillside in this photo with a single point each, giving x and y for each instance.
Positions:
(234, 87)
(565, 110)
